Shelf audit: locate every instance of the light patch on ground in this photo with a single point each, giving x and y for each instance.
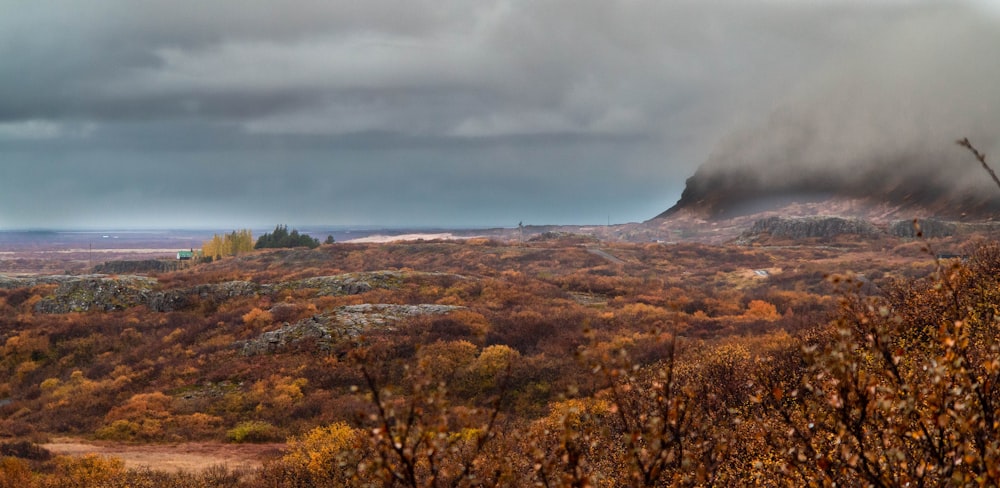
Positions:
(381, 239)
(747, 277)
(186, 456)
(759, 273)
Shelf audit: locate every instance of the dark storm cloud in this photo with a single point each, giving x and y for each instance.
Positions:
(893, 107)
(437, 68)
(430, 112)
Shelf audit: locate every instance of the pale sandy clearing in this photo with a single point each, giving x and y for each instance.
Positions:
(186, 456)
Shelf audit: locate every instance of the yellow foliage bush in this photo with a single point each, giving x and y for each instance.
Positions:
(24, 369)
(321, 450)
(495, 359)
(173, 335)
(257, 317)
(14, 473)
(761, 310)
(253, 431)
(145, 416)
(89, 470)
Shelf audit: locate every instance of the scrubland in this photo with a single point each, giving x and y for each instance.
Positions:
(866, 363)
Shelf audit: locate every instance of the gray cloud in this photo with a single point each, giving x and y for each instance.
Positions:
(445, 111)
(901, 98)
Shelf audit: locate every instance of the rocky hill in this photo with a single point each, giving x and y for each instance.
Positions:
(719, 194)
(804, 154)
(787, 182)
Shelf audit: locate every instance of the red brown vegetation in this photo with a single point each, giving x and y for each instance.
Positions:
(563, 369)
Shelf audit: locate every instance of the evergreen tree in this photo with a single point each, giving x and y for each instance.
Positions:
(281, 238)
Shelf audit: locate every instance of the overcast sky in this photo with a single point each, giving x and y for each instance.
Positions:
(243, 113)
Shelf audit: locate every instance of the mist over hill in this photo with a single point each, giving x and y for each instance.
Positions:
(878, 125)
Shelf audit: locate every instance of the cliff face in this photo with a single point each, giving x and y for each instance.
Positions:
(809, 227)
(825, 227)
(714, 193)
(924, 227)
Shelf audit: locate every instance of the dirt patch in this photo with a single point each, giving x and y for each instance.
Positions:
(186, 456)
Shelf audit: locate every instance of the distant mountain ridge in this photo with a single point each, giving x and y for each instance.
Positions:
(716, 193)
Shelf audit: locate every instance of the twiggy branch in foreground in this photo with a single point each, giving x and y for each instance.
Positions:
(964, 142)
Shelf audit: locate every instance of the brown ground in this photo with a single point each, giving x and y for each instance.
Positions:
(187, 456)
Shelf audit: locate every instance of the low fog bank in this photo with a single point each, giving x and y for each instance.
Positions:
(880, 121)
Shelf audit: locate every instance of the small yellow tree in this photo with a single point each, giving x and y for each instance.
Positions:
(231, 244)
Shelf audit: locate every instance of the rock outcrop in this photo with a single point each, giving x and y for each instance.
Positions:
(133, 267)
(316, 329)
(107, 293)
(221, 292)
(811, 227)
(355, 319)
(14, 282)
(325, 330)
(345, 284)
(97, 293)
(927, 227)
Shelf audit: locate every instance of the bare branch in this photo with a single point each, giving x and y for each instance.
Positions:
(964, 142)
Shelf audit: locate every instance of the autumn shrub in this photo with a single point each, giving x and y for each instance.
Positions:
(276, 395)
(446, 362)
(672, 417)
(85, 471)
(78, 403)
(761, 310)
(325, 456)
(569, 446)
(416, 437)
(492, 366)
(197, 425)
(24, 450)
(254, 431)
(15, 473)
(16, 427)
(257, 318)
(460, 324)
(142, 417)
(906, 388)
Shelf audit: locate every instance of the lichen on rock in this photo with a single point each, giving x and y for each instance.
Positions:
(95, 292)
(343, 323)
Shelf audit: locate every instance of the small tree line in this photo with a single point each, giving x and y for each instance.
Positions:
(231, 244)
(282, 238)
(241, 241)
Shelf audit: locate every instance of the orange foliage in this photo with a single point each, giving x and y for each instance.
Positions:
(761, 310)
